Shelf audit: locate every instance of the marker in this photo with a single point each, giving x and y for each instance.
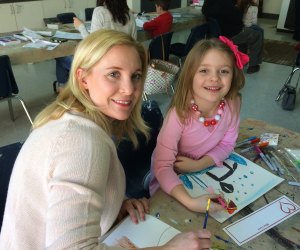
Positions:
(206, 214)
(294, 183)
(277, 164)
(263, 157)
(245, 141)
(261, 144)
(273, 165)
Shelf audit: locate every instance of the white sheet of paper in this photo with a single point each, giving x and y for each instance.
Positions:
(68, 35)
(139, 22)
(240, 180)
(151, 232)
(262, 220)
(40, 44)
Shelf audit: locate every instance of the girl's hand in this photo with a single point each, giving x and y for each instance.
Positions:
(77, 22)
(134, 207)
(190, 240)
(199, 204)
(185, 165)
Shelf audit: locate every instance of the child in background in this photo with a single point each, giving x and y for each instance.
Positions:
(163, 23)
(202, 123)
(250, 10)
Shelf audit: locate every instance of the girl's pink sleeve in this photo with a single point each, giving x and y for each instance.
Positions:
(166, 151)
(226, 145)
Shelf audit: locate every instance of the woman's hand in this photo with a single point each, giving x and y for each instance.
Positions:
(77, 22)
(134, 207)
(190, 240)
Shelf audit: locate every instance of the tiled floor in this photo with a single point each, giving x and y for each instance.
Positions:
(35, 83)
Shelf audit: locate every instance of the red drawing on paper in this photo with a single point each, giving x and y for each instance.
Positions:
(287, 207)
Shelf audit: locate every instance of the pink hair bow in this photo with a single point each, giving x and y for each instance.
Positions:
(241, 58)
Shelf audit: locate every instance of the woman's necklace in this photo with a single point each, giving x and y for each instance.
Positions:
(210, 122)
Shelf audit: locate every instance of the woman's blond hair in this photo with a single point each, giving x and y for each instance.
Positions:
(184, 88)
(75, 98)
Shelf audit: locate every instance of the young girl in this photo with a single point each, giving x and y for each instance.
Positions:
(202, 122)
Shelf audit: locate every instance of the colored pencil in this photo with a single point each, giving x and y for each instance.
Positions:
(206, 214)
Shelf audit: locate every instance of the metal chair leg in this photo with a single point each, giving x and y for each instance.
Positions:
(11, 110)
(24, 107)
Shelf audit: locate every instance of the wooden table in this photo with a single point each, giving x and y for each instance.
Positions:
(286, 235)
(190, 17)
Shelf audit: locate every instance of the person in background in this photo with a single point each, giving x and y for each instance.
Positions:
(163, 23)
(296, 35)
(230, 20)
(202, 122)
(67, 186)
(250, 10)
(113, 14)
(109, 14)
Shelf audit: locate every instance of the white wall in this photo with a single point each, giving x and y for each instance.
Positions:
(272, 6)
(135, 5)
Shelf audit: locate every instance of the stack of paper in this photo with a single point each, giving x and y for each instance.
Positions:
(9, 40)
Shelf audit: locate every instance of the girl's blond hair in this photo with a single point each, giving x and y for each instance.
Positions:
(75, 98)
(184, 89)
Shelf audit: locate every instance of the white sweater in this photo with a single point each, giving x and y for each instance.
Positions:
(102, 19)
(66, 188)
(250, 17)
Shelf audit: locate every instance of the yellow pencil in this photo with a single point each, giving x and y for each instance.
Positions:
(206, 214)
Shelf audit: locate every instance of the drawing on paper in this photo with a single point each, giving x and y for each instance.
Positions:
(239, 180)
(132, 236)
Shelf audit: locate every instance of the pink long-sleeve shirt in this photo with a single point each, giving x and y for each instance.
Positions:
(194, 140)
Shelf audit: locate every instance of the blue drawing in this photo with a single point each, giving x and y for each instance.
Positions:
(237, 159)
(186, 181)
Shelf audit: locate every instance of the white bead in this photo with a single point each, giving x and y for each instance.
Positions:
(201, 119)
(217, 117)
(192, 101)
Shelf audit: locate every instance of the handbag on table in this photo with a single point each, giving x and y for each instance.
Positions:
(160, 76)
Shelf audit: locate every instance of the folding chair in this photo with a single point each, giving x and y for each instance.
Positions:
(88, 13)
(181, 50)
(66, 17)
(8, 87)
(159, 47)
(136, 162)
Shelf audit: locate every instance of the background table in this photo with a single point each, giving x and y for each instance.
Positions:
(190, 17)
(286, 235)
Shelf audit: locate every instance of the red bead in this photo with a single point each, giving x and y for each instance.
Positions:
(194, 107)
(206, 123)
(213, 122)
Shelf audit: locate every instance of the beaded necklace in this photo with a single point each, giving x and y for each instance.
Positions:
(210, 122)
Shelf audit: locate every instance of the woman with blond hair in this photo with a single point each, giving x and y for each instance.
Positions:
(67, 187)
